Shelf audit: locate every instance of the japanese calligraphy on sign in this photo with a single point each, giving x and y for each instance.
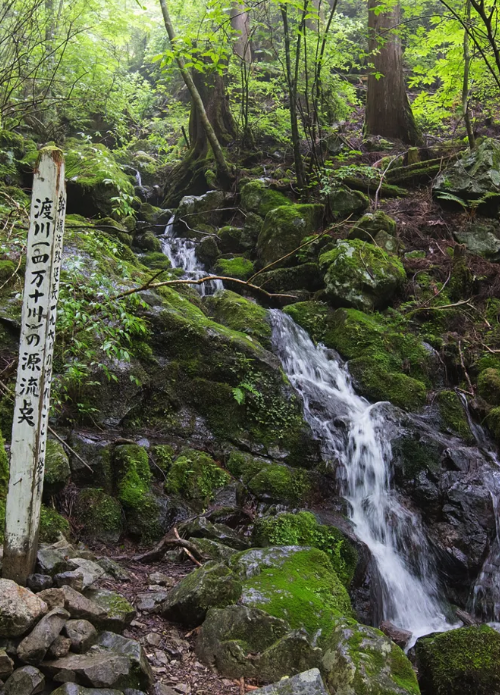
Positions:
(31, 413)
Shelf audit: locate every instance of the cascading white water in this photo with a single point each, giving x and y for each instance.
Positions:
(182, 254)
(393, 534)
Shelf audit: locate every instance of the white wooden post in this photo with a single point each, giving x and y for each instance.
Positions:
(34, 371)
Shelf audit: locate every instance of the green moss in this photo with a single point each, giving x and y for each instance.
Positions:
(7, 271)
(99, 514)
(244, 466)
(134, 475)
(195, 476)
(156, 261)
(377, 384)
(279, 483)
(57, 469)
(371, 224)
(163, 456)
(402, 671)
(305, 276)
(303, 529)
(361, 275)
(460, 662)
(312, 316)
(453, 415)
(285, 227)
(232, 240)
(301, 588)
(343, 202)
(240, 268)
(4, 469)
(240, 314)
(493, 422)
(488, 385)
(52, 524)
(257, 197)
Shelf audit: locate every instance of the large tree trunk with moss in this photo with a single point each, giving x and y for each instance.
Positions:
(388, 111)
(212, 91)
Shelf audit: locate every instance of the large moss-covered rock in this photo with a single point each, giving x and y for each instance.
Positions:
(481, 238)
(362, 660)
(241, 641)
(239, 268)
(344, 202)
(94, 179)
(240, 314)
(453, 415)
(488, 385)
(257, 197)
(210, 586)
(296, 584)
(371, 224)
(99, 515)
(475, 174)
(200, 210)
(284, 229)
(195, 476)
(376, 383)
(303, 529)
(460, 662)
(232, 240)
(57, 469)
(306, 276)
(360, 275)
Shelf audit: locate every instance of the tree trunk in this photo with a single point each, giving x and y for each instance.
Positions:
(388, 111)
(240, 21)
(212, 91)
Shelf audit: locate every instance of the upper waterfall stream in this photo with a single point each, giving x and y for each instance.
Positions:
(354, 433)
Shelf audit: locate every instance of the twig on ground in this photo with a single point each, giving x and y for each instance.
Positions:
(186, 550)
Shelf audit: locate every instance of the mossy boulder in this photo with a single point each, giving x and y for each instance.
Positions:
(481, 238)
(99, 515)
(306, 276)
(271, 482)
(303, 529)
(213, 550)
(378, 384)
(156, 261)
(198, 210)
(154, 215)
(231, 240)
(212, 586)
(240, 641)
(475, 174)
(57, 468)
(344, 202)
(148, 242)
(361, 275)
(240, 314)
(362, 660)
(195, 476)
(298, 585)
(257, 197)
(488, 385)
(95, 181)
(371, 224)
(284, 228)
(239, 268)
(208, 251)
(453, 415)
(460, 662)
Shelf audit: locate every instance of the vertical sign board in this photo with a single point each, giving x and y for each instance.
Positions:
(34, 372)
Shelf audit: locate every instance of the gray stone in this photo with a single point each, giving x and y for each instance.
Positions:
(148, 603)
(90, 570)
(79, 606)
(25, 681)
(213, 550)
(213, 585)
(114, 569)
(74, 689)
(162, 689)
(160, 578)
(74, 579)
(52, 597)
(39, 582)
(344, 202)
(19, 609)
(131, 649)
(119, 612)
(59, 647)
(82, 635)
(230, 634)
(51, 560)
(481, 238)
(6, 665)
(33, 648)
(306, 683)
(202, 209)
(203, 528)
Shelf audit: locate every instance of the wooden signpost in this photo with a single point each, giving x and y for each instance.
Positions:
(34, 372)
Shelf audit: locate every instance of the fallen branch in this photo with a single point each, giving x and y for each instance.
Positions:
(440, 308)
(161, 548)
(420, 170)
(186, 550)
(386, 190)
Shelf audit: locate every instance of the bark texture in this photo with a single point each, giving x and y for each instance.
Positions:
(388, 111)
(240, 22)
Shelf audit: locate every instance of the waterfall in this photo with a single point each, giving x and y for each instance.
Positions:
(182, 254)
(394, 535)
(138, 178)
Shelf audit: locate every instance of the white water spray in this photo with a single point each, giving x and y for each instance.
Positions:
(394, 535)
(182, 254)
